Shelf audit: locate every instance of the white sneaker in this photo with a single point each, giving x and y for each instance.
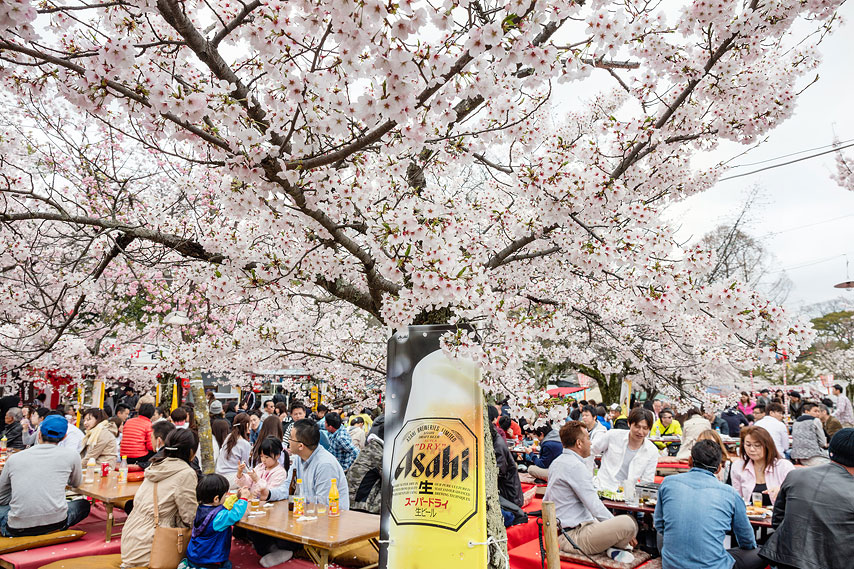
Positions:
(276, 557)
(619, 555)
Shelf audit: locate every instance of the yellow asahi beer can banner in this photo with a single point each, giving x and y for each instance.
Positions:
(434, 504)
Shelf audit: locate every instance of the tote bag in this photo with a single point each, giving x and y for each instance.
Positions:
(169, 546)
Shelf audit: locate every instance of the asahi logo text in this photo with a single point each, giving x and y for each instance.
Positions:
(442, 464)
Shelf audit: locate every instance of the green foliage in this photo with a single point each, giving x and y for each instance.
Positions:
(835, 330)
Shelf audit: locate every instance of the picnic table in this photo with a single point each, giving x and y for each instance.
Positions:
(650, 509)
(665, 439)
(323, 537)
(110, 492)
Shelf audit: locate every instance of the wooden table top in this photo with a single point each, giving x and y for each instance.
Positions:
(108, 489)
(613, 505)
(324, 532)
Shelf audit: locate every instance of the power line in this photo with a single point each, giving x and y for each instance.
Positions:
(809, 263)
(792, 154)
(770, 233)
(837, 149)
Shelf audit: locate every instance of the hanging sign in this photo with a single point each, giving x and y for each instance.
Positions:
(434, 501)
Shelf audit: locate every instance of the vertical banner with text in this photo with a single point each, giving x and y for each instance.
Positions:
(434, 500)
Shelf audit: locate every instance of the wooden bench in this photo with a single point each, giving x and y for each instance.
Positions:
(89, 562)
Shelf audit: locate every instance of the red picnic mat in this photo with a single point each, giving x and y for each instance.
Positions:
(527, 556)
(682, 465)
(523, 533)
(90, 544)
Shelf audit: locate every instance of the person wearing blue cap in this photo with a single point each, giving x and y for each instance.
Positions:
(32, 485)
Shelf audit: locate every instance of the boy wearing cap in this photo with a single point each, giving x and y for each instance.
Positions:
(32, 485)
(813, 512)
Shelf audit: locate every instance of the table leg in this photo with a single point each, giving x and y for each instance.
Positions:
(109, 508)
(319, 557)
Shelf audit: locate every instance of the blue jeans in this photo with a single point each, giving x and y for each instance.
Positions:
(78, 510)
(187, 564)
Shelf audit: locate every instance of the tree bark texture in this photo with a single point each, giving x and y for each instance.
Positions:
(203, 422)
(494, 519)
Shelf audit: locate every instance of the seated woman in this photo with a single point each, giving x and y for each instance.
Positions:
(175, 481)
(268, 473)
(726, 464)
(100, 440)
(667, 426)
(760, 468)
(235, 450)
(694, 424)
(271, 427)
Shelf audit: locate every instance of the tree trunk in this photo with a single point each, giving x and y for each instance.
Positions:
(609, 385)
(494, 519)
(203, 422)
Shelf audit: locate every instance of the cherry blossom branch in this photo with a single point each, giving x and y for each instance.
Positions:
(235, 23)
(115, 86)
(635, 153)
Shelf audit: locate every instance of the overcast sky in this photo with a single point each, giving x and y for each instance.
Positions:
(803, 218)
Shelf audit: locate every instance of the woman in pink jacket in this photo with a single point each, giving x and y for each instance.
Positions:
(760, 468)
(268, 473)
(746, 406)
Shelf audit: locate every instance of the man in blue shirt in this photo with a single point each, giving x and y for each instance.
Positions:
(316, 467)
(695, 511)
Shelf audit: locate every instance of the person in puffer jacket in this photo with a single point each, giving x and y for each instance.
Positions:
(365, 478)
(550, 449)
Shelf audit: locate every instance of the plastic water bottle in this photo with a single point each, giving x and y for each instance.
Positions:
(3, 442)
(334, 499)
(90, 471)
(299, 500)
(123, 470)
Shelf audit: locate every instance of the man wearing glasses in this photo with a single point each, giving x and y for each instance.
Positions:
(316, 467)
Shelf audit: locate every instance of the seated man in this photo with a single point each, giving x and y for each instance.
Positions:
(627, 454)
(13, 430)
(74, 437)
(316, 467)
(32, 485)
(341, 445)
(831, 423)
(667, 426)
(695, 511)
(136, 436)
(585, 520)
(550, 449)
(813, 512)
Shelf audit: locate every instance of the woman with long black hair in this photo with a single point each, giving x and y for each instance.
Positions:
(271, 427)
(235, 449)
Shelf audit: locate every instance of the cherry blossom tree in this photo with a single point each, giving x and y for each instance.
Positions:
(303, 177)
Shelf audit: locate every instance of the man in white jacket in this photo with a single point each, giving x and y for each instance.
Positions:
(627, 455)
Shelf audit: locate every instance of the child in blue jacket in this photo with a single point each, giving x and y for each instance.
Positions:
(210, 542)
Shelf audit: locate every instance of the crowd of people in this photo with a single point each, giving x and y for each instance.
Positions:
(263, 449)
(260, 451)
(600, 449)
